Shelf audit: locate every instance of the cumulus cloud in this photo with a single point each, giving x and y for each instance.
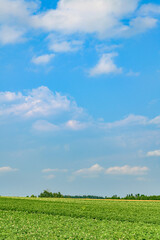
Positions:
(88, 16)
(127, 170)
(43, 59)
(17, 11)
(96, 170)
(106, 65)
(75, 125)
(147, 9)
(155, 153)
(93, 171)
(45, 126)
(37, 102)
(42, 103)
(131, 120)
(10, 35)
(20, 9)
(7, 169)
(61, 46)
(140, 25)
(155, 120)
(9, 96)
(104, 18)
(15, 19)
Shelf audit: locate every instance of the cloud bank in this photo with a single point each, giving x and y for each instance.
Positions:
(155, 153)
(97, 170)
(39, 102)
(103, 18)
(7, 169)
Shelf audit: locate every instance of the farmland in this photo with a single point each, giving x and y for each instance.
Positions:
(27, 218)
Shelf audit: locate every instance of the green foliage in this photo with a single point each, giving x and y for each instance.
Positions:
(33, 196)
(115, 197)
(141, 197)
(53, 218)
(47, 194)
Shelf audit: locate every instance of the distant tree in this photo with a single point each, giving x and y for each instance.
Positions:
(46, 194)
(33, 196)
(115, 197)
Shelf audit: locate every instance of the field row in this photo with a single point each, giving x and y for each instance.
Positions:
(21, 225)
(145, 212)
(78, 219)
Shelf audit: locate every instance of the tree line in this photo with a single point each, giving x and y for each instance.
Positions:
(48, 194)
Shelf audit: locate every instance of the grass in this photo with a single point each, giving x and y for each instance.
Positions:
(78, 219)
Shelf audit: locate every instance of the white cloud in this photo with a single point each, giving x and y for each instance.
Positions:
(17, 8)
(75, 125)
(47, 170)
(43, 59)
(9, 96)
(17, 11)
(132, 74)
(127, 170)
(155, 120)
(38, 102)
(10, 35)
(93, 171)
(150, 8)
(65, 46)
(87, 16)
(140, 25)
(103, 18)
(45, 126)
(106, 65)
(15, 19)
(130, 120)
(155, 153)
(7, 169)
(96, 169)
(42, 103)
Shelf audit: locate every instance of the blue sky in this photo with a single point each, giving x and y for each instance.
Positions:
(79, 97)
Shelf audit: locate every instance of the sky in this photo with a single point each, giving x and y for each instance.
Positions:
(79, 97)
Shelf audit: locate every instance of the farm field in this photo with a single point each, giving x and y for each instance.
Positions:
(26, 218)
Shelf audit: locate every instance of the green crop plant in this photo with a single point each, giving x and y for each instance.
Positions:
(25, 218)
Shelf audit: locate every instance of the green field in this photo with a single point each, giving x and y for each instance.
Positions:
(25, 218)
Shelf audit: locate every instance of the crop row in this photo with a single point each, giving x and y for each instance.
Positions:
(124, 211)
(30, 226)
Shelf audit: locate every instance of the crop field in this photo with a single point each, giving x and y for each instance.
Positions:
(26, 218)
